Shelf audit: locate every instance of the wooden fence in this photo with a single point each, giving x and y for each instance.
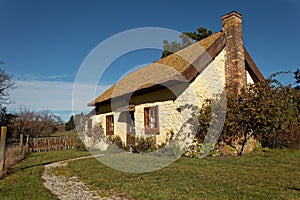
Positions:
(53, 143)
(14, 150)
(11, 151)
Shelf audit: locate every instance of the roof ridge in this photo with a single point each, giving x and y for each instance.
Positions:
(176, 63)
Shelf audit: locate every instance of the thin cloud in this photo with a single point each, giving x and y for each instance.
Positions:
(61, 76)
(38, 77)
(51, 95)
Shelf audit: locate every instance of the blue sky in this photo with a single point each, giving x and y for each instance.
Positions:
(44, 42)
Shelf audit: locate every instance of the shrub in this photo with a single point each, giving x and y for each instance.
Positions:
(267, 111)
(80, 146)
(143, 145)
(197, 150)
(116, 140)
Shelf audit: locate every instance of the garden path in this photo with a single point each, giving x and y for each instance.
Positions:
(71, 187)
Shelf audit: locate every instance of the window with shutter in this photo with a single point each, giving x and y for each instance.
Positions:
(151, 120)
(109, 125)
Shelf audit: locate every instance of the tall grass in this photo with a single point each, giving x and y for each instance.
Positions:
(13, 155)
(24, 179)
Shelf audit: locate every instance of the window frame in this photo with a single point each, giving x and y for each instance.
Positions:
(109, 124)
(90, 124)
(131, 123)
(148, 117)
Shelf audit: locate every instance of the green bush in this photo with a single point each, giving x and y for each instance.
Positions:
(117, 141)
(80, 146)
(143, 145)
(267, 111)
(197, 150)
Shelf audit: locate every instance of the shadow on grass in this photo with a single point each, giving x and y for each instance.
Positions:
(28, 167)
(294, 188)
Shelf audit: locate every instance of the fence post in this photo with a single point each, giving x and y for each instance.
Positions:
(2, 148)
(27, 144)
(21, 145)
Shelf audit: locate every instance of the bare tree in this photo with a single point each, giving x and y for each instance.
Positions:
(35, 124)
(6, 84)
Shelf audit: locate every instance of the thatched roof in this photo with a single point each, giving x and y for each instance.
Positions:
(180, 66)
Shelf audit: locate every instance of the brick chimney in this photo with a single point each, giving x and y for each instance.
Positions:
(235, 71)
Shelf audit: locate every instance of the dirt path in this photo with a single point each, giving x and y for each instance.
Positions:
(70, 187)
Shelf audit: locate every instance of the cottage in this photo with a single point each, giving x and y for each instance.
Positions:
(149, 102)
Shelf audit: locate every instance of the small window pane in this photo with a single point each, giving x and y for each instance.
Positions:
(110, 125)
(151, 120)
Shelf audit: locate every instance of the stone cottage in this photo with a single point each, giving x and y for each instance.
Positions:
(148, 102)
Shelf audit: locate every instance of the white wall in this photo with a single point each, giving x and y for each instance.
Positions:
(210, 82)
(249, 78)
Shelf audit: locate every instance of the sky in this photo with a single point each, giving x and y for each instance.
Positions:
(45, 43)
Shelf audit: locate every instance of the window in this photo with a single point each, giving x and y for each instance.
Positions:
(89, 127)
(90, 124)
(151, 120)
(109, 125)
(131, 123)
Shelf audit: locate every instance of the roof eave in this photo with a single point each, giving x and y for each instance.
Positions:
(252, 68)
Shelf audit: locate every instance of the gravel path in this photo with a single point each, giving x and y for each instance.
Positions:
(70, 188)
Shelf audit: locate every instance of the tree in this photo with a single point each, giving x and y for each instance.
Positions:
(297, 78)
(6, 84)
(267, 111)
(187, 38)
(34, 124)
(79, 122)
(202, 33)
(3, 119)
(70, 125)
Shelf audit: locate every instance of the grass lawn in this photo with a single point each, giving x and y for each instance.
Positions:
(25, 182)
(272, 175)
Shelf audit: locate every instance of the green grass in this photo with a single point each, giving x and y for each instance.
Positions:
(272, 175)
(61, 171)
(24, 180)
